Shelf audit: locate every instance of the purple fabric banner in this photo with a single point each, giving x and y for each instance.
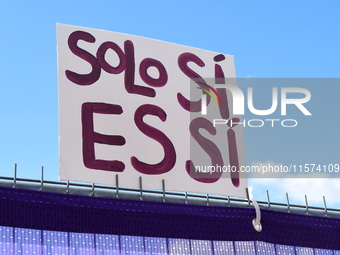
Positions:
(95, 217)
(33, 241)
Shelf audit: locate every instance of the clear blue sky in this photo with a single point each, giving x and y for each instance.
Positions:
(288, 39)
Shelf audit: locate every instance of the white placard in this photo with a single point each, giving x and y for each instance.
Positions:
(120, 111)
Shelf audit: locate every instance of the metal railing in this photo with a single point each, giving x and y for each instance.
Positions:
(116, 191)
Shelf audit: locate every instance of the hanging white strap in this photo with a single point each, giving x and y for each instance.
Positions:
(257, 221)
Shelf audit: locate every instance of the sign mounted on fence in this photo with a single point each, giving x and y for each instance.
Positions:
(124, 108)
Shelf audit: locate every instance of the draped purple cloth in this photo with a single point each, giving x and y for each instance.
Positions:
(66, 224)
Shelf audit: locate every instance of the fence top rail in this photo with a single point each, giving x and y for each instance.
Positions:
(99, 190)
